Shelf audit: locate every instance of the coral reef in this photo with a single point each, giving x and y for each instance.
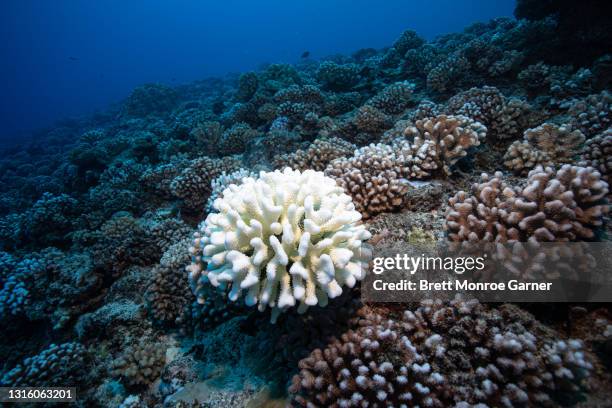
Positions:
(150, 99)
(236, 138)
(459, 353)
(288, 169)
(377, 175)
(221, 182)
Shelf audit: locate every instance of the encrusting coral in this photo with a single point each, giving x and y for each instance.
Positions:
(285, 238)
(546, 145)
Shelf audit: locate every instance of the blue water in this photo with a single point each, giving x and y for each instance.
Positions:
(73, 57)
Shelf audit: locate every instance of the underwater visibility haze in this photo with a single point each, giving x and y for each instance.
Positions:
(68, 58)
(191, 193)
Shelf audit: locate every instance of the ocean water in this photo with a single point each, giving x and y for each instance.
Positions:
(72, 58)
(197, 198)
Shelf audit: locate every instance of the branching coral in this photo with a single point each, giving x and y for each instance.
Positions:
(208, 135)
(504, 118)
(597, 153)
(168, 295)
(479, 216)
(247, 86)
(165, 230)
(193, 185)
(339, 103)
(459, 353)
(97, 216)
(374, 177)
(60, 285)
(418, 61)
(120, 242)
(371, 120)
(353, 371)
(546, 145)
(140, 364)
(394, 98)
(535, 76)
(284, 238)
(408, 40)
(14, 286)
(236, 138)
(214, 311)
(222, 181)
(444, 75)
(424, 110)
(57, 365)
(294, 112)
(566, 205)
(440, 142)
(509, 61)
(51, 219)
(593, 114)
(158, 179)
(317, 156)
(307, 94)
(338, 77)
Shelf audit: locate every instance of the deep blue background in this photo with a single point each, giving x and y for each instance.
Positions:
(119, 44)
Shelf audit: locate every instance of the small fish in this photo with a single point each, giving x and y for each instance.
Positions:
(306, 54)
(73, 58)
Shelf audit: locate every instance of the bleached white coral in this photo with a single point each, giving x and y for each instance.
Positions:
(284, 238)
(220, 183)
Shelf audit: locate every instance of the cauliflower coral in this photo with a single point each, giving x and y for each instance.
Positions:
(284, 238)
